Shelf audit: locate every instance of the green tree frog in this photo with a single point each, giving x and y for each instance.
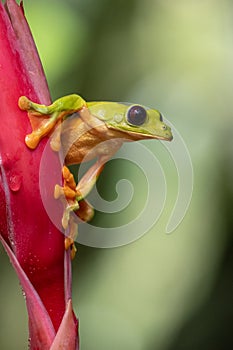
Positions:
(80, 128)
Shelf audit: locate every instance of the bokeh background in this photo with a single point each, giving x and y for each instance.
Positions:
(163, 292)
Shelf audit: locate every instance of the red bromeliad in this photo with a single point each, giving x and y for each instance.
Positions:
(34, 245)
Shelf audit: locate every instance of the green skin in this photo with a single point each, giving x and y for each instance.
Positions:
(114, 115)
(95, 123)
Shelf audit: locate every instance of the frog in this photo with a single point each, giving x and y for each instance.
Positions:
(85, 131)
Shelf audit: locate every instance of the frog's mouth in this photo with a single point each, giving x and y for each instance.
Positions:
(137, 136)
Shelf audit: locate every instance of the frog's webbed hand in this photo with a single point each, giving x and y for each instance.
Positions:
(45, 118)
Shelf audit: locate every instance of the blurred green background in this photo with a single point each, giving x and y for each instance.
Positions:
(163, 292)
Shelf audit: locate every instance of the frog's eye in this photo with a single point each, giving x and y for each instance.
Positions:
(136, 115)
(160, 117)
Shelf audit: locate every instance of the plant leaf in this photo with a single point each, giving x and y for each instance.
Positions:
(39, 321)
(66, 337)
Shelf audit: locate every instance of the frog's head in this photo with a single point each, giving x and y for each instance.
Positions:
(135, 121)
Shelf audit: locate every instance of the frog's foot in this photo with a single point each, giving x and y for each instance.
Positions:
(69, 244)
(85, 212)
(69, 240)
(73, 202)
(69, 186)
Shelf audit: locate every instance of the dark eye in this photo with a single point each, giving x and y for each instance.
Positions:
(160, 117)
(136, 115)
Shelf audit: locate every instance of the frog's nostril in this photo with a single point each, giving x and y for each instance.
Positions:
(170, 137)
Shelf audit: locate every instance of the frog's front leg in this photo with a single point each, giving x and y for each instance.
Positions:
(45, 118)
